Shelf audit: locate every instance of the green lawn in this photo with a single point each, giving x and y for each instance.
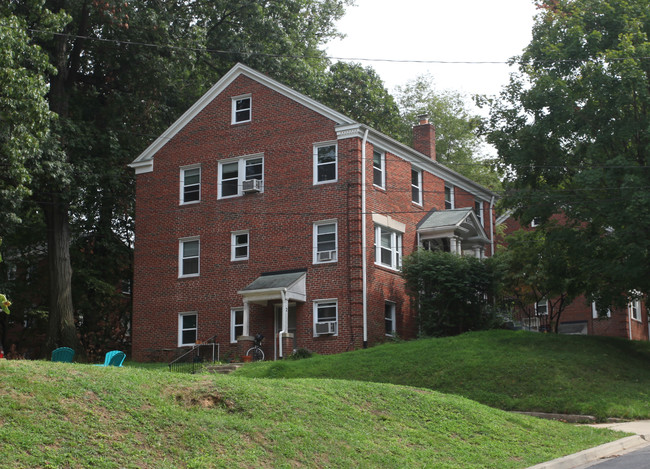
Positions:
(523, 371)
(59, 415)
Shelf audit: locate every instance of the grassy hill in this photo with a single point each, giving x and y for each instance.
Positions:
(55, 415)
(599, 376)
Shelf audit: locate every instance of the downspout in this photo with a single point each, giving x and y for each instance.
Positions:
(283, 292)
(364, 249)
(629, 321)
(492, 226)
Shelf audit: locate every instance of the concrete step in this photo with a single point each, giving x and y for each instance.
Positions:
(223, 369)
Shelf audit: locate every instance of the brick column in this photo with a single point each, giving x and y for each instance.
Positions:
(244, 342)
(287, 344)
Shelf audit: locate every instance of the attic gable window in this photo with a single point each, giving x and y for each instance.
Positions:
(241, 109)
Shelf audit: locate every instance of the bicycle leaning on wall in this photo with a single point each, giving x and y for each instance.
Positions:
(256, 350)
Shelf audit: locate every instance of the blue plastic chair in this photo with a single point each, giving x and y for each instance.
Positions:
(63, 354)
(113, 358)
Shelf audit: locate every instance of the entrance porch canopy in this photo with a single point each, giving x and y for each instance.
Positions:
(460, 226)
(284, 286)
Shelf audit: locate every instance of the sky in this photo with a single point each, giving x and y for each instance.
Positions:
(437, 30)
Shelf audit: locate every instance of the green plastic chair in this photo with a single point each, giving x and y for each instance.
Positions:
(63, 354)
(113, 358)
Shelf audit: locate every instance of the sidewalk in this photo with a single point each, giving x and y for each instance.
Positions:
(641, 429)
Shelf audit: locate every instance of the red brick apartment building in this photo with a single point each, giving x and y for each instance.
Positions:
(581, 317)
(262, 211)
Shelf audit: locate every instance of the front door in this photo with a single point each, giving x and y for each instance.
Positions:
(278, 328)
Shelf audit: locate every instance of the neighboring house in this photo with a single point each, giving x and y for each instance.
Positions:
(262, 211)
(581, 317)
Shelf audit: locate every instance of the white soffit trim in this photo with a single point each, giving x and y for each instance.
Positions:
(416, 158)
(225, 81)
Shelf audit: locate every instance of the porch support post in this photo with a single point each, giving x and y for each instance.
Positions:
(247, 310)
(285, 313)
(454, 245)
(477, 252)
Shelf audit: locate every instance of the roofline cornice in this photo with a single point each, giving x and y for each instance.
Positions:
(420, 160)
(217, 88)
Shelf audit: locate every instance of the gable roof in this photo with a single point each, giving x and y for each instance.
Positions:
(440, 222)
(271, 285)
(345, 126)
(146, 157)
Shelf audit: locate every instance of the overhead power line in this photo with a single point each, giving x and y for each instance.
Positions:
(122, 42)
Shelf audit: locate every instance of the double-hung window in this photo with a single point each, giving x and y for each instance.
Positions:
(634, 308)
(325, 163)
(449, 197)
(416, 186)
(190, 184)
(187, 328)
(241, 109)
(388, 247)
(595, 313)
(239, 245)
(236, 324)
(541, 307)
(389, 318)
(325, 241)
(188, 253)
(326, 317)
(233, 173)
(478, 210)
(379, 169)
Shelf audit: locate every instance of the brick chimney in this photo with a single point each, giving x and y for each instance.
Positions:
(424, 137)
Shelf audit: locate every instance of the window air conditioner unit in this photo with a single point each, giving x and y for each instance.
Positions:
(326, 327)
(251, 185)
(324, 256)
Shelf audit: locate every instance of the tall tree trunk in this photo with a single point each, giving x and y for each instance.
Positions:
(61, 330)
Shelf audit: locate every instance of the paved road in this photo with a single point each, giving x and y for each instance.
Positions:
(639, 459)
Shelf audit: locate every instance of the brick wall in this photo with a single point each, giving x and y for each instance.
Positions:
(280, 223)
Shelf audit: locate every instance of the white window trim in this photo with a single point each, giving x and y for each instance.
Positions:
(318, 302)
(241, 173)
(234, 245)
(180, 256)
(451, 197)
(180, 327)
(182, 183)
(315, 162)
(635, 305)
(594, 311)
(393, 317)
(396, 249)
(315, 241)
(233, 119)
(382, 169)
(233, 324)
(418, 187)
(545, 301)
(480, 211)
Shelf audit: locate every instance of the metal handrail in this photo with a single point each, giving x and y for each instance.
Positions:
(182, 363)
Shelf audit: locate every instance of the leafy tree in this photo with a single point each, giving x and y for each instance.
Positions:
(571, 130)
(24, 114)
(359, 93)
(458, 144)
(537, 265)
(119, 73)
(451, 291)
